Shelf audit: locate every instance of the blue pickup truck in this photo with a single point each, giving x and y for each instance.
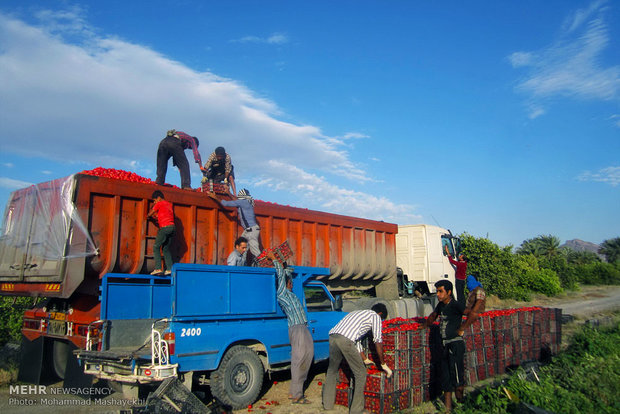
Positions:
(222, 324)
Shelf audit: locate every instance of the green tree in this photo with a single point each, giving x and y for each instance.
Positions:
(541, 246)
(528, 247)
(493, 265)
(580, 258)
(547, 246)
(611, 250)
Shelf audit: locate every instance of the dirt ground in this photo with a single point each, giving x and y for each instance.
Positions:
(588, 303)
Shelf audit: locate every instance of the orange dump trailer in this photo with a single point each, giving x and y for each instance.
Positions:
(60, 237)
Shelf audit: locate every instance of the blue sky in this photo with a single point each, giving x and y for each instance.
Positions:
(500, 119)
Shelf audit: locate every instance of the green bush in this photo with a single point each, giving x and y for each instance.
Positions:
(11, 312)
(599, 273)
(566, 273)
(493, 265)
(544, 281)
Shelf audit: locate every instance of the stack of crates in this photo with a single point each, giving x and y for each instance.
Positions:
(495, 341)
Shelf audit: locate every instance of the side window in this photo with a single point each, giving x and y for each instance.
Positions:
(447, 241)
(316, 299)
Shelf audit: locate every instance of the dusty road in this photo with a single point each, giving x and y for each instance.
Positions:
(583, 305)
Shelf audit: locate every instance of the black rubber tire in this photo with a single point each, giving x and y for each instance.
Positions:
(239, 379)
(60, 355)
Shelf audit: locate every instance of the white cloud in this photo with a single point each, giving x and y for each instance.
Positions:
(520, 59)
(103, 101)
(8, 164)
(355, 135)
(609, 175)
(535, 111)
(12, 184)
(313, 188)
(571, 66)
(273, 39)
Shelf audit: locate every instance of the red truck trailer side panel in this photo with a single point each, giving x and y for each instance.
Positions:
(360, 253)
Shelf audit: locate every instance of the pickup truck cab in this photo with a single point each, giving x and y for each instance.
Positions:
(220, 323)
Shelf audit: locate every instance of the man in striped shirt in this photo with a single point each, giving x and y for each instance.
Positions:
(345, 342)
(302, 345)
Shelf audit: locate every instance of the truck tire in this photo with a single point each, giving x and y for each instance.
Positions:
(60, 355)
(239, 378)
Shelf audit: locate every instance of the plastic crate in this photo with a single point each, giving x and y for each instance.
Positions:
(380, 403)
(172, 396)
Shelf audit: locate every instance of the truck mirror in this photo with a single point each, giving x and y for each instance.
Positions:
(337, 305)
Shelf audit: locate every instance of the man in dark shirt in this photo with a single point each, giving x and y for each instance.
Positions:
(173, 146)
(452, 362)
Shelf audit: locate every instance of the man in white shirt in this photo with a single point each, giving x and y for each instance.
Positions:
(345, 342)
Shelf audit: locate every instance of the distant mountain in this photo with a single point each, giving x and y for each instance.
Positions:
(582, 246)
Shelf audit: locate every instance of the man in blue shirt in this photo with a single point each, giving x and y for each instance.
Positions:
(238, 256)
(247, 219)
(302, 345)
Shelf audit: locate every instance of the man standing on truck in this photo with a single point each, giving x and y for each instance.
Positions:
(174, 145)
(219, 168)
(239, 255)
(247, 219)
(345, 342)
(302, 344)
(452, 361)
(460, 274)
(165, 219)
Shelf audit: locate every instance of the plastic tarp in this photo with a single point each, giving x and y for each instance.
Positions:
(43, 220)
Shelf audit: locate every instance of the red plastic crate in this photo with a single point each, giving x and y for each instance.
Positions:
(377, 382)
(380, 403)
(417, 396)
(404, 399)
(471, 376)
(397, 359)
(489, 354)
(219, 188)
(343, 396)
(415, 377)
(416, 358)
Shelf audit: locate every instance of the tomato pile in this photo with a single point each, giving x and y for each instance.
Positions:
(118, 175)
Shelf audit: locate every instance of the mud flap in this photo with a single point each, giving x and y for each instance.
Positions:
(74, 374)
(32, 367)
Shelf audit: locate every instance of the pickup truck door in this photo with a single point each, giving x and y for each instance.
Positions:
(321, 317)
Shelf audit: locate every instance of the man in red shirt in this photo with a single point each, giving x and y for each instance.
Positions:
(460, 276)
(162, 209)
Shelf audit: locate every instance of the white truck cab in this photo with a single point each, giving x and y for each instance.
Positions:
(421, 257)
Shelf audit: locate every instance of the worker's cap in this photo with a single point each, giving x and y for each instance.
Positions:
(243, 193)
(171, 132)
(220, 151)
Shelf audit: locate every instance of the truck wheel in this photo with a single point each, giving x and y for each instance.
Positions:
(60, 354)
(239, 378)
